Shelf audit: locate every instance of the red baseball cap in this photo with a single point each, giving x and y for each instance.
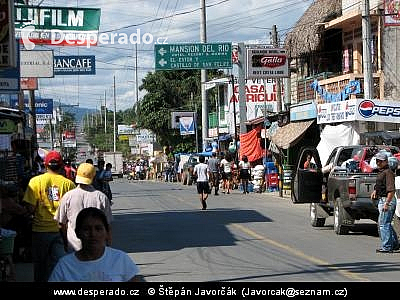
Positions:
(53, 158)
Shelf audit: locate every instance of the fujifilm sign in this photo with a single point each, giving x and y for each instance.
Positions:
(57, 18)
(56, 25)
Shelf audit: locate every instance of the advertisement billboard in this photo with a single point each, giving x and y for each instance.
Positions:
(267, 63)
(57, 25)
(75, 65)
(29, 83)
(38, 64)
(371, 110)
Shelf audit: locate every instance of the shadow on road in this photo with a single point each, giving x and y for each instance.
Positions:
(365, 267)
(174, 230)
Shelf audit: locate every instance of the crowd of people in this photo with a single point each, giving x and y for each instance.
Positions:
(55, 200)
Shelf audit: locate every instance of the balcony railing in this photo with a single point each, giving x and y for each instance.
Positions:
(334, 85)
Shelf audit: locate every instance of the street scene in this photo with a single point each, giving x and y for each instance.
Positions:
(249, 238)
(200, 141)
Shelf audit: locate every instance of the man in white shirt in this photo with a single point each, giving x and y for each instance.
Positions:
(84, 195)
(203, 189)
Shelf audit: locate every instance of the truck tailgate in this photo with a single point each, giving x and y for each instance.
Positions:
(365, 184)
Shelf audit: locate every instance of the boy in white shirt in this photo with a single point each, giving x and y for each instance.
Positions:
(201, 171)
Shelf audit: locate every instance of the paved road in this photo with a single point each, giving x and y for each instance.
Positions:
(255, 237)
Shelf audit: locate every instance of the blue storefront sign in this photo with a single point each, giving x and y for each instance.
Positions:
(43, 107)
(75, 65)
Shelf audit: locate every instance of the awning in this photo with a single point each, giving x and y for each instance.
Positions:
(289, 134)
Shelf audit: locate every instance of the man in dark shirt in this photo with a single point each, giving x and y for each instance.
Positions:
(213, 166)
(384, 192)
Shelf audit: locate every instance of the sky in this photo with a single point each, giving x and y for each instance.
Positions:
(174, 21)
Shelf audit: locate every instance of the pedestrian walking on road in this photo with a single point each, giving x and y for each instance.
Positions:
(84, 195)
(42, 197)
(245, 173)
(384, 191)
(213, 165)
(203, 189)
(95, 261)
(70, 171)
(226, 165)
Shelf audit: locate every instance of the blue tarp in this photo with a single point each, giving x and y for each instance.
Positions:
(205, 153)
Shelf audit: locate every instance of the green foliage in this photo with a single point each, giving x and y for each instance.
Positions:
(167, 91)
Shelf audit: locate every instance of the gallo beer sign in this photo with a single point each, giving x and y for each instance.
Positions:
(267, 63)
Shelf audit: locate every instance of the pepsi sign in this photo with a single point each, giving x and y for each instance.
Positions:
(379, 110)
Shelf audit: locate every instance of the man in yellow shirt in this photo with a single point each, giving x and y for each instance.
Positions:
(42, 197)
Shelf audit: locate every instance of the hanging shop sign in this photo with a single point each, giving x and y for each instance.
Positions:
(29, 83)
(303, 111)
(38, 64)
(372, 110)
(43, 108)
(267, 63)
(376, 110)
(392, 12)
(256, 93)
(75, 65)
(57, 25)
(127, 129)
(343, 111)
(7, 40)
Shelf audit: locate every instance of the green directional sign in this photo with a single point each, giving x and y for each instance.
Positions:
(193, 56)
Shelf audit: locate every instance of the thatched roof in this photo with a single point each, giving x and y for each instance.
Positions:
(304, 37)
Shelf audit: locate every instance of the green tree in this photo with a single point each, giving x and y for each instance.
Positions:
(169, 91)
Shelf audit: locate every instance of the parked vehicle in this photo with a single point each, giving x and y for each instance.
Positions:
(342, 188)
(117, 161)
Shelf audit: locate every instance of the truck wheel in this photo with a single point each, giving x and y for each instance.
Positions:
(315, 221)
(338, 218)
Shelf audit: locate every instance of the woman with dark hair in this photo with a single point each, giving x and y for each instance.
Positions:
(95, 261)
(245, 168)
(226, 166)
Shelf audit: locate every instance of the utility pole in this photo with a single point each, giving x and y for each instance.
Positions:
(234, 117)
(195, 122)
(105, 112)
(242, 88)
(278, 80)
(366, 39)
(204, 103)
(217, 103)
(136, 77)
(115, 111)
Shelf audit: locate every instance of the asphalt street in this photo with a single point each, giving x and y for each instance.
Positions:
(239, 238)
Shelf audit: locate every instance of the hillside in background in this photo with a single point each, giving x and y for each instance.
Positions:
(78, 112)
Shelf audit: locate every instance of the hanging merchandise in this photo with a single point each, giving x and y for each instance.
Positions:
(250, 145)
